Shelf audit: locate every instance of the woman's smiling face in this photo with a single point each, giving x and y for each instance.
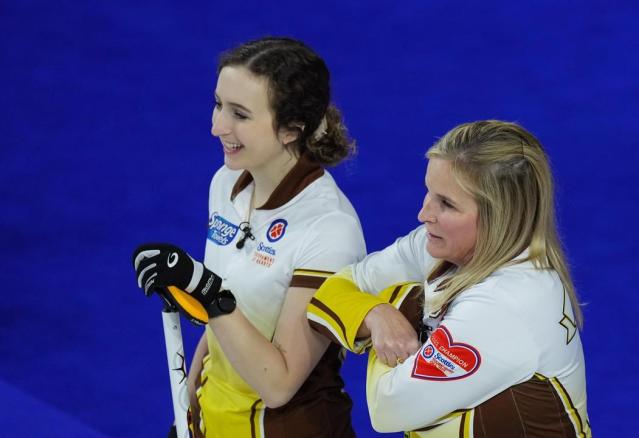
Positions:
(244, 122)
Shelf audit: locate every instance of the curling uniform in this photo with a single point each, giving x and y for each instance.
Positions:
(503, 359)
(305, 232)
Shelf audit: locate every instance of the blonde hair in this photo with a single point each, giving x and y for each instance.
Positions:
(505, 169)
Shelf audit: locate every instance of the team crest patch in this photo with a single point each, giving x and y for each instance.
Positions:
(276, 231)
(221, 231)
(442, 359)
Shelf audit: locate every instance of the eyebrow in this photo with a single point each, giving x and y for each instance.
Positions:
(235, 104)
(447, 199)
(440, 196)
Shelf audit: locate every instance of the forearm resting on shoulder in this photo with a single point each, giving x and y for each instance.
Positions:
(347, 315)
(338, 309)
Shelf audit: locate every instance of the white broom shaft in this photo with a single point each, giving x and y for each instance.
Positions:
(177, 370)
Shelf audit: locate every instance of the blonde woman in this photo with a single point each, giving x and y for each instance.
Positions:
(492, 301)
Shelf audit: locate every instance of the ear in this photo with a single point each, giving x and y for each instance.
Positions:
(289, 135)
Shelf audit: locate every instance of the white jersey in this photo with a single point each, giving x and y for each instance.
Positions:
(503, 359)
(316, 230)
(305, 232)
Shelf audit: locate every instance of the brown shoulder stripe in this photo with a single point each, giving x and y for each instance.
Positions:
(394, 294)
(322, 329)
(310, 278)
(313, 272)
(306, 281)
(324, 308)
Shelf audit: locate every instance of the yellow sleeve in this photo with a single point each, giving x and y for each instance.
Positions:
(339, 307)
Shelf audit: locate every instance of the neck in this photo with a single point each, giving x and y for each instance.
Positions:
(267, 178)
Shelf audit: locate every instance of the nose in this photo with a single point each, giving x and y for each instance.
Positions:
(426, 214)
(219, 123)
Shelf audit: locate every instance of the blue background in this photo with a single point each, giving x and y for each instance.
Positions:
(105, 144)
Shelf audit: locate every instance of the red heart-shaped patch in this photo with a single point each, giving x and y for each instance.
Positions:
(442, 359)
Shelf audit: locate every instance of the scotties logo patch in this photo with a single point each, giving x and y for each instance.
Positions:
(443, 359)
(276, 231)
(221, 231)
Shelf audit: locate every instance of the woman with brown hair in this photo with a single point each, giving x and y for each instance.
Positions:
(278, 227)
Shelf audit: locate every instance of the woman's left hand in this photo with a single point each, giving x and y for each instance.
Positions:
(394, 338)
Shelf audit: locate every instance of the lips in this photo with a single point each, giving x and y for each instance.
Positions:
(432, 236)
(230, 148)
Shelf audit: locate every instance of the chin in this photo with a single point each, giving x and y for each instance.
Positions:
(232, 164)
(434, 251)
